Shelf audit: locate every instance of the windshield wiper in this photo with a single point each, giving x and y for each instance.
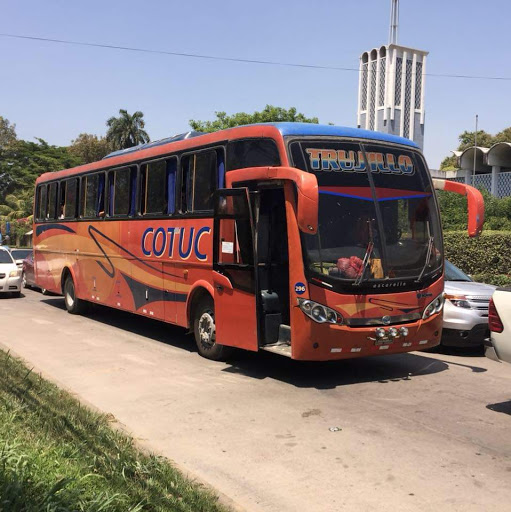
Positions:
(428, 256)
(365, 263)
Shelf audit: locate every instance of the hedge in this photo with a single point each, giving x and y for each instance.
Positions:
(486, 258)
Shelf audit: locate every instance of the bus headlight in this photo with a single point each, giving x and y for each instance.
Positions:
(435, 306)
(319, 313)
(380, 333)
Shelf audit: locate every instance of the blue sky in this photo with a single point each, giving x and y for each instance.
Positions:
(57, 91)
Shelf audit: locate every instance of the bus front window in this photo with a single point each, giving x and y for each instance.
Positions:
(376, 222)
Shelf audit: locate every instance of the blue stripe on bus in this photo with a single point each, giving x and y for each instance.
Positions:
(416, 196)
(46, 227)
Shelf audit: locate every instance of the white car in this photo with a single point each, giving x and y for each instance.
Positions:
(10, 274)
(465, 309)
(498, 347)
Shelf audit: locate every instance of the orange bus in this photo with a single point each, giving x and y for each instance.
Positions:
(314, 242)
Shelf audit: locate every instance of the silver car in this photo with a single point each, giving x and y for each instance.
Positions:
(465, 309)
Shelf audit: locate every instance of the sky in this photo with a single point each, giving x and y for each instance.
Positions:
(56, 91)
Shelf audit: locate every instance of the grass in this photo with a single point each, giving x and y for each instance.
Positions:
(58, 456)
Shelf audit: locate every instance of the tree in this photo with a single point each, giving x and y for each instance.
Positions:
(17, 210)
(22, 162)
(126, 130)
(7, 133)
(467, 139)
(449, 163)
(269, 114)
(504, 135)
(90, 148)
(17, 206)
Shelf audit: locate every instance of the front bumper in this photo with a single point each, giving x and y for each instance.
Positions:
(465, 338)
(463, 319)
(10, 284)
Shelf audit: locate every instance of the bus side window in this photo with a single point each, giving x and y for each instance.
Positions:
(62, 199)
(153, 188)
(90, 196)
(120, 192)
(171, 185)
(70, 200)
(200, 178)
(186, 183)
(100, 205)
(133, 188)
(42, 202)
(252, 153)
(52, 202)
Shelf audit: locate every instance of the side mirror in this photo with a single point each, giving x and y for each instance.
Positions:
(475, 203)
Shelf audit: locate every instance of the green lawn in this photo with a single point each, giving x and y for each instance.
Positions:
(57, 455)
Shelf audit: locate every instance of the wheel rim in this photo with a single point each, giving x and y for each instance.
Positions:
(24, 281)
(207, 329)
(70, 293)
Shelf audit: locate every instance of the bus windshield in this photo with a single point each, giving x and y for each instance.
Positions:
(377, 222)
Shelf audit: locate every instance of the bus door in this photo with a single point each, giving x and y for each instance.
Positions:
(233, 264)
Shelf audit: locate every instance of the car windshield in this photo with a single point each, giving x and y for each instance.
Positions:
(20, 254)
(453, 273)
(376, 222)
(5, 257)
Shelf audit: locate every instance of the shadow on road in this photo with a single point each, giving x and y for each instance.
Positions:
(331, 374)
(262, 365)
(477, 351)
(143, 326)
(7, 295)
(504, 407)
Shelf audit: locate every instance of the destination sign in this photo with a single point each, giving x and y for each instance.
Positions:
(353, 161)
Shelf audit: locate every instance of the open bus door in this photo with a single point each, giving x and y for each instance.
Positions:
(234, 272)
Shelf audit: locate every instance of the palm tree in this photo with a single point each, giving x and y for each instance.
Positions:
(126, 131)
(17, 207)
(18, 211)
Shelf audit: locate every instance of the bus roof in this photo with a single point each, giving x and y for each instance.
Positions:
(315, 130)
(180, 143)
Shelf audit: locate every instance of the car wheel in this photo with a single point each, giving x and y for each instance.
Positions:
(44, 291)
(74, 305)
(24, 280)
(204, 330)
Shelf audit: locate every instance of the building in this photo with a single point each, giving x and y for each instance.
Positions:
(491, 169)
(391, 91)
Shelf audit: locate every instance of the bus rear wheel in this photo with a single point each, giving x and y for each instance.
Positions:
(204, 330)
(74, 305)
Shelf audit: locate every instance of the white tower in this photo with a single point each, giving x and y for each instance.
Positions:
(391, 87)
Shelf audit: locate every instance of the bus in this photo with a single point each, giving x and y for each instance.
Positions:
(313, 242)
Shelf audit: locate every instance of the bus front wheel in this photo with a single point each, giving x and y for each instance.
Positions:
(204, 330)
(74, 305)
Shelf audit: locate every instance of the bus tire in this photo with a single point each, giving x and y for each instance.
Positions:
(74, 305)
(204, 330)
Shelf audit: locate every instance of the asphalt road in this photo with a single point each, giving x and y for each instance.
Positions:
(416, 431)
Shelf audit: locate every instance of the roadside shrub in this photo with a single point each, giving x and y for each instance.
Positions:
(453, 209)
(486, 258)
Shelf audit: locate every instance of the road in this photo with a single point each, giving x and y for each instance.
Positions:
(416, 431)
